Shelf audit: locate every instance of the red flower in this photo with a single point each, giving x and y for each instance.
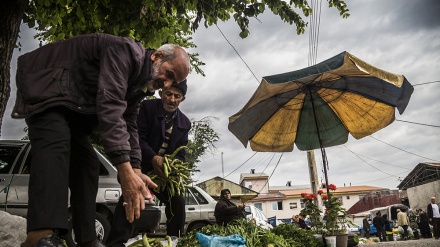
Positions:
(327, 212)
(320, 192)
(332, 187)
(303, 195)
(324, 197)
(311, 196)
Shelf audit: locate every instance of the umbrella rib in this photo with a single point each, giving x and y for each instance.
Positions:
(324, 156)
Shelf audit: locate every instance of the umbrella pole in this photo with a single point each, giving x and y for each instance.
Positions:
(324, 155)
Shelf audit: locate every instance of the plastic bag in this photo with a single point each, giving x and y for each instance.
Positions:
(221, 241)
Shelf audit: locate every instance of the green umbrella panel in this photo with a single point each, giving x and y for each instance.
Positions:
(320, 105)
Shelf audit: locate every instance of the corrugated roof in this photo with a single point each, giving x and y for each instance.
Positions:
(423, 173)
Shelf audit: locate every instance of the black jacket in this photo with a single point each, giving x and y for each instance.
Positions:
(151, 124)
(429, 211)
(97, 74)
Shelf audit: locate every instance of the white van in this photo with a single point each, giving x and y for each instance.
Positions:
(257, 216)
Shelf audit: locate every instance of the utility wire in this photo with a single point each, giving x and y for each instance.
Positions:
(425, 83)
(357, 154)
(402, 149)
(237, 53)
(430, 125)
(267, 180)
(368, 163)
(366, 182)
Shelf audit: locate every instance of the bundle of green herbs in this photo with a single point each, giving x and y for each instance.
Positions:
(284, 235)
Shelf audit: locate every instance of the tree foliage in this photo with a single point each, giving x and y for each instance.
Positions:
(151, 22)
(155, 22)
(202, 140)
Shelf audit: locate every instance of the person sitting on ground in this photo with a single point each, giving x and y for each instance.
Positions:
(227, 211)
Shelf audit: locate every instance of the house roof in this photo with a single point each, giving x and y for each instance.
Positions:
(296, 193)
(423, 173)
(255, 175)
(291, 187)
(339, 190)
(268, 197)
(214, 185)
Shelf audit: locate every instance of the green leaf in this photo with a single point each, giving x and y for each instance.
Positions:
(244, 34)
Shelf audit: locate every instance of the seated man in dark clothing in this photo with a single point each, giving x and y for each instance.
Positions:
(226, 211)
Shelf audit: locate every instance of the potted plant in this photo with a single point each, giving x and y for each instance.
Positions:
(334, 217)
(314, 213)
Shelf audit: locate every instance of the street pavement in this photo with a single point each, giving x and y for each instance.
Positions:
(428, 242)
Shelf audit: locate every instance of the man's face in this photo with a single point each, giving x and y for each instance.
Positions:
(433, 200)
(167, 73)
(171, 98)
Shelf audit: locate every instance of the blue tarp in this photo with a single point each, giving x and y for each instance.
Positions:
(221, 241)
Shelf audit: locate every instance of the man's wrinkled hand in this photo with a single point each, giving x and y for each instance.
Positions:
(134, 191)
(148, 182)
(157, 162)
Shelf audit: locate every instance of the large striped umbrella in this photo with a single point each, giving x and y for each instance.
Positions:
(318, 106)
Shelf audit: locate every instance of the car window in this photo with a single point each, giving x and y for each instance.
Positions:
(8, 155)
(198, 196)
(189, 198)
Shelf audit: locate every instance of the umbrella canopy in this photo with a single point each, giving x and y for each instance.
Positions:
(320, 105)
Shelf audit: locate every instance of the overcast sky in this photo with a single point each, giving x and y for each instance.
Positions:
(399, 36)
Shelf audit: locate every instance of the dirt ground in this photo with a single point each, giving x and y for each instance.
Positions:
(430, 242)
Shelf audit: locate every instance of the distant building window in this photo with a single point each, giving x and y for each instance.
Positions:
(361, 196)
(277, 205)
(248, 184)
(348, 197)
(340, 199)
(302, 205)
(259, 206)
(293, 205)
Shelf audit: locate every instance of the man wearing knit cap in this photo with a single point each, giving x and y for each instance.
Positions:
(162, 128)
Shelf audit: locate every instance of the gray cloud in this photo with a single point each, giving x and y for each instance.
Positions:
(400, 36)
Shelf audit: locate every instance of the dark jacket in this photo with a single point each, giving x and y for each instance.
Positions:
(366, 225)
(378, 221)
(429, 211)
(92, 74)
(151, 125)
(226, 211)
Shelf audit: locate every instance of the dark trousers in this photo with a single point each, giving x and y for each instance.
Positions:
(121, 229)
(405, 231)
(436, 227)
(62, 158)
(381, 233)
(367, 233)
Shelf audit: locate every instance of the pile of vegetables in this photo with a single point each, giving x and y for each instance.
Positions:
(177, 175)
(255, 235)
(151, 242)
(284, 235)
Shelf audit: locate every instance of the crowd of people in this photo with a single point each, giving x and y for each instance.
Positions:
(425, 221)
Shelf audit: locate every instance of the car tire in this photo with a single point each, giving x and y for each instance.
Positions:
(102, 226)
(196, 226)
